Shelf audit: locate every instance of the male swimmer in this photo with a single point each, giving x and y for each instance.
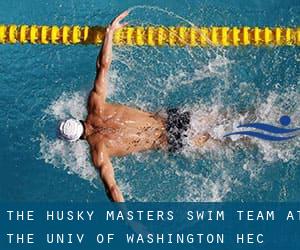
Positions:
(117, 130)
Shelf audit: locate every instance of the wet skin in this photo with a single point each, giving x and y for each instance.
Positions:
(118, 130)
(123, 130)
(112, 129)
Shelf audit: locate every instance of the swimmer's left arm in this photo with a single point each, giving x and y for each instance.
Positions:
(103, 164)
(105, 56)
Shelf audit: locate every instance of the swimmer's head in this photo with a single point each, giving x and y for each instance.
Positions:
(70, 130)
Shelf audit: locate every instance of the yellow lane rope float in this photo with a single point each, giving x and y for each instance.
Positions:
(152, 36)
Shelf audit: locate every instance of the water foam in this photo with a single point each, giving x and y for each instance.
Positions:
(215, 172)
(218, 120)
(72, 157)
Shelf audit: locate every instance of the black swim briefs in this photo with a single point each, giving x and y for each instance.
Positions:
(177, 124)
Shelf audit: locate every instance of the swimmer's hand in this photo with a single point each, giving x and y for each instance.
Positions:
(115, 24)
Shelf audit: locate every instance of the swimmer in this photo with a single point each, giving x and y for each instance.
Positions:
(114, 130)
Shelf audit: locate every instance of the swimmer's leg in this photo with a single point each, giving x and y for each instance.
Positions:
(200, 140)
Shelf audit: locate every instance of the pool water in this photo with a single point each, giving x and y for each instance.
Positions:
(43, 84)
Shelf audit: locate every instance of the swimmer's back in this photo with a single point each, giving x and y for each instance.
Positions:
(126, 130)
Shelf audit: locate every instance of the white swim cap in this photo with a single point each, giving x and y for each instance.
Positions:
(70, 130)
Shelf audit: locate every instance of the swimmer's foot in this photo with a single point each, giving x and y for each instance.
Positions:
(200, 140)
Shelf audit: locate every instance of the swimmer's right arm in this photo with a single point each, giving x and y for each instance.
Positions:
(103, 164)
(105, 56)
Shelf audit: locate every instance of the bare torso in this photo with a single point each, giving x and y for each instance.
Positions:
(114, 129)
(123, 129)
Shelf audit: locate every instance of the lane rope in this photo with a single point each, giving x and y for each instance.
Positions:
(152, 35)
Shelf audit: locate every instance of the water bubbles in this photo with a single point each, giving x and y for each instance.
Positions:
(221, 88)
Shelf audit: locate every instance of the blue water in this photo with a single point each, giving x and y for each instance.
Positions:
(42, 84)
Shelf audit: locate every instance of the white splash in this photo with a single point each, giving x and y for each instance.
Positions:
(217, 120)
(200, 188)
(139, 67)
(72, 157)
(68, 105)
